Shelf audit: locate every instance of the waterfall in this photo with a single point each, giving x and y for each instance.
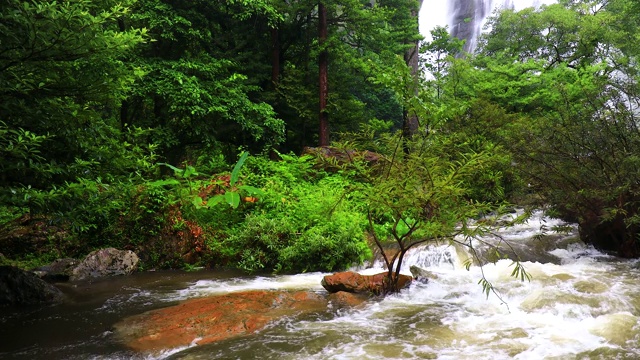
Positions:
(466, 18)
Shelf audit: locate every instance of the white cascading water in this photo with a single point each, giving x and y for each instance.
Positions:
(465, 18)
(584, 305)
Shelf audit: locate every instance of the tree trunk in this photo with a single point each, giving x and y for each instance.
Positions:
(275, 57)
(323, 63)
(410, 121)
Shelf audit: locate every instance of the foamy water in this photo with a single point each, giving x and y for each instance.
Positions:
(583, 307)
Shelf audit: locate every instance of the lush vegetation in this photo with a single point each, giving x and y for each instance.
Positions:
(129, 124)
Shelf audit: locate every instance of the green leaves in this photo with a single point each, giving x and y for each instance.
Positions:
(227, 192)
(62, 76)
(185, 173)
(235, 173)
(232, 198)
(306, 220)
(560, 81)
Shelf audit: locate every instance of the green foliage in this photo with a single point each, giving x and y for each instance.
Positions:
(556, 87)
(424, 193)
(96, 94)
(61, 75)
(200, 87)
(306, 220)
(437, 56)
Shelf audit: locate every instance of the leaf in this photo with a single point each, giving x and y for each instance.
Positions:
(176, 170)
(197, 202)
(232, 198)
(236, 169)
(189, 170)
(251, 190)
(164, 182)
(216, 199)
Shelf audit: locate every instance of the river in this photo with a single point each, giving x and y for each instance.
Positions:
(579, 304)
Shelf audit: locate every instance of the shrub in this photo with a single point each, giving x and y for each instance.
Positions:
(306, 220)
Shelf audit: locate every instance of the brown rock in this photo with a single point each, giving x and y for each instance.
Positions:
(353, 282)
(215, 318)
(344, 299)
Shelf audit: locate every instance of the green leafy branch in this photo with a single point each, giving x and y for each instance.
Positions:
(228, 193)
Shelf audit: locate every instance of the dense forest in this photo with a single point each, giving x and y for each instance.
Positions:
(291, 136)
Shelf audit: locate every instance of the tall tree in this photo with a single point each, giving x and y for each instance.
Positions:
(410, 121)
(360, 36)
(62, 76)
(204, 74)
(323, 66)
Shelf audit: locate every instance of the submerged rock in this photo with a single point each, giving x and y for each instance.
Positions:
(422, 275)
(215, 318)
(343, 299)
(18, 287)
(106, 262)
(353, 282)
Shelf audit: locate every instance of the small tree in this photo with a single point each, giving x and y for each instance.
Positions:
(424, 197)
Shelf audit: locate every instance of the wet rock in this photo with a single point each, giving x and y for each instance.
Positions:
(618, 328)
(210, 319)
(18, 287)
(422, 275)
(591, 287)
(343, 299)
(353, 282)
(612, 236)
(59, 270)
(106, 262)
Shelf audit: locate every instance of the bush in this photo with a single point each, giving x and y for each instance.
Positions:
(306, 220)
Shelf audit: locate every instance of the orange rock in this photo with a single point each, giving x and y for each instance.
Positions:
(213, 318)
(353, 282)
(344, 299)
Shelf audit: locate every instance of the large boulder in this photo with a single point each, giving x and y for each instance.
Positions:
(353, 282)
(215, 318)
(18, 287)
(106, 262)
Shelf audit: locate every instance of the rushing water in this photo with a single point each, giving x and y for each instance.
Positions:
(582, 304)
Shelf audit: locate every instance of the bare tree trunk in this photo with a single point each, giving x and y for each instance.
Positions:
(410, 121)
(275, 57)
(323, 63)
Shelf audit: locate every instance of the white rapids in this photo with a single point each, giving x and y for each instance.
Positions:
(585, 306)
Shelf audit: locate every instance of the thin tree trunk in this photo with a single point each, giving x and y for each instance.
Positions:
(323, 63)
(275, 57)
(411, 123)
